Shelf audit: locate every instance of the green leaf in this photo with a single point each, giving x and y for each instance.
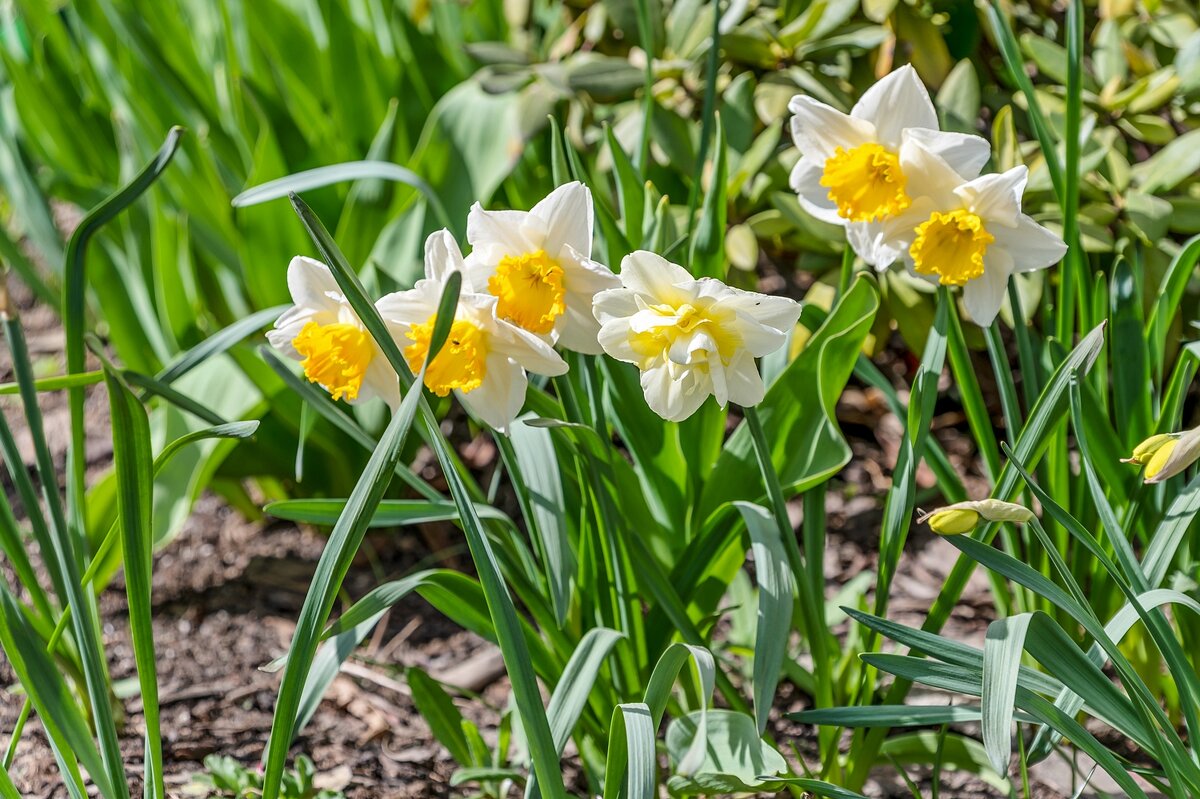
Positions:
(218, 342)
(389, 513)
(1170, 166)
(133, 464)
(438, 710)
(708, 243)
(631, 766)
(735, 758)
(1002, 650)
(775, 587)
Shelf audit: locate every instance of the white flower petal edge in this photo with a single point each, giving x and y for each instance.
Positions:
(486, 368)
(538, 264)
(690, 338)
(319, 300)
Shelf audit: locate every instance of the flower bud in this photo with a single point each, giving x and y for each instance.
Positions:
(1166, 454)
(963, 517)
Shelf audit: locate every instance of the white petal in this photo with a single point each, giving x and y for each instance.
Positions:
(499, 399)
(745, 383)
(650, 274)
(505, 228)
(819, 129)
(673, 400)
(614, 339)
(380, 381)
(927, 175)
(996, 197)
(583, 276)
(311, 285)
(814, 198)
(779, 313)
(287, 327)
(577, 328)
(1030, 245)
(614, 304)
(965, 153)
(567, 212)
(984, 295)
(527, 349)
(411, 307)
(896, 102)
(442, 256)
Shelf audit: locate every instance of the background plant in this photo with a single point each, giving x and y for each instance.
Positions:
(622, 567)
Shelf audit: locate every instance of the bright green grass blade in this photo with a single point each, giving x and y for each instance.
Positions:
(7, 789)
(1131, 386)
(1168, 302)
(631, 767)
(390, 513)
(974, 405)
(438, 710)
(63, 559)
(217, 343)
(632, 190)
(341, 173)
(819, 788)
(1164, 544)
(57, 383)
(331, 570)
(895, 715)
(51, 697)
(151, 386)
(775, 587)
(133, 464)
(74, 313)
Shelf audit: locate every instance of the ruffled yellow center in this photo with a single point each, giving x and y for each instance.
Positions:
(951, 246)
(336, 356)
(462, 362)
(866, 182)
(529, 290)
(679, 341)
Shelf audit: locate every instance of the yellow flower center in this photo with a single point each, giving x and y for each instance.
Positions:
(460, 364)
(951, 246)
(529, 290)
(659, 341)
(866, 182)
(336, 356)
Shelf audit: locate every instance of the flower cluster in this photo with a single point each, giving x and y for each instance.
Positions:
(906, 191)
(529, 285)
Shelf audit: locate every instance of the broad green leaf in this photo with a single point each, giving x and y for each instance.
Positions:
(735, 758)
(438, 710)
(631, 766)
(1002, 649)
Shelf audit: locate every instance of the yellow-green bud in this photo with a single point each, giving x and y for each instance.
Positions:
(963, 517)
(953, 522)
(1166, 454)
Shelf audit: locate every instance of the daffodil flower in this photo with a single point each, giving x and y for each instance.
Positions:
(850, 170)
(484, 360)
(322, 332)
(1166, 455)
(690, 338)
(963, 517)
(538, 266)
(971, 233)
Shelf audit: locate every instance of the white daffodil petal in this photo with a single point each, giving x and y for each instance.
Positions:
(614, 304)
(965, 153)
(311, 285)
(649, 273)
(819, 129)
(996, 198)
(673, 400)
(380, 381)
(896, 102)
(984, 295)
(805, 180)
(567, 213)
(746, 386)
(498, 401)
(780, 313)
(442, 256)
(1030, 245)
(527, 349)
(503, 227)
(580, 328)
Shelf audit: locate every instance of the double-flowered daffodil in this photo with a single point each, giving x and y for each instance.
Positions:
(1167, 454)
(851, 171)
(963, 517)
(538, 266)
(971, 234)
(485, 358)
(690, 338)
(322, 332)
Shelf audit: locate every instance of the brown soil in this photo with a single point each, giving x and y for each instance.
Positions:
(227, 592)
